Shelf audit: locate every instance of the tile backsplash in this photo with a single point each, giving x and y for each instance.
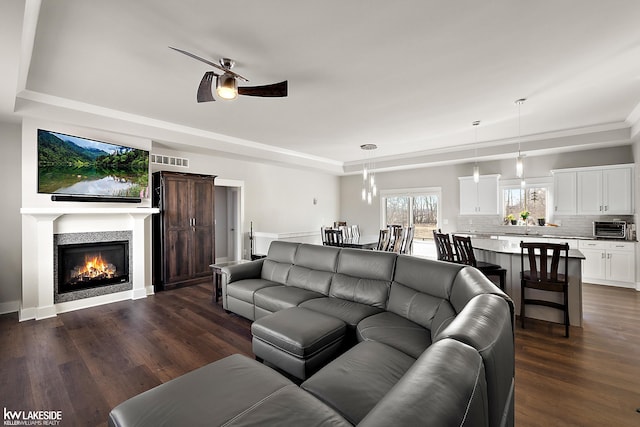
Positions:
(569, 225)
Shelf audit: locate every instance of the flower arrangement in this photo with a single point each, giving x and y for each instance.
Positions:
(511, 219)
(524, 215)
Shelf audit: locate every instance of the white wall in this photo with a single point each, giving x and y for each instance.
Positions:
(355, 211)
(10, 218)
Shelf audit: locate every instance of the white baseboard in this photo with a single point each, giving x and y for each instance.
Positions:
(9, 307)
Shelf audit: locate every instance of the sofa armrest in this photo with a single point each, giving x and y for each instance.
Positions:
(444, 387)
(248, 270)
(485, 324)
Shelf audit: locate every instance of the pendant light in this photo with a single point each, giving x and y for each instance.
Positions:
(520, 158)
(369, 188)
(476, 168)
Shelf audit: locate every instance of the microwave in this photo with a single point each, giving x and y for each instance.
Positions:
(610, 229)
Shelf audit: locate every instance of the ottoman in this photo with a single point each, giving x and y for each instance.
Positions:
(297, 340)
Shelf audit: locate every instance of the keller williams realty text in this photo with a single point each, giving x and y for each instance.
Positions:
(32, 418)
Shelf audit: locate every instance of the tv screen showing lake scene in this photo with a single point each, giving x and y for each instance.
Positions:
(72, 165)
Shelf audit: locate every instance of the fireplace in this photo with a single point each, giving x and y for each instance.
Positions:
(92, 265)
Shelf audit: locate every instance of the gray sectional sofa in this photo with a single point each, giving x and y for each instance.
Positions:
(394, 306)
(425, 343)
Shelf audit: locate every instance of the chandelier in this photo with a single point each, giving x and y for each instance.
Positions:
(520, 158)
(369, 188)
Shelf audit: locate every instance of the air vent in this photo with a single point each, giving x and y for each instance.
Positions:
(169, 161)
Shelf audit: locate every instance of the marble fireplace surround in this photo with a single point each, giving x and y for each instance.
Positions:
(39, 227)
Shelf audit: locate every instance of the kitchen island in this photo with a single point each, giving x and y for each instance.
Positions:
(507, 254)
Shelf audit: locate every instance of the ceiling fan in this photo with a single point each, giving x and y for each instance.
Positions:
(227, 82)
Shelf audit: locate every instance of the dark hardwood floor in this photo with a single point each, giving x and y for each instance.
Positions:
(86, 362)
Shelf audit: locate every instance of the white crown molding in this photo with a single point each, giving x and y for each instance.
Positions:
(633, 120)
(41, 105)
(538, 144)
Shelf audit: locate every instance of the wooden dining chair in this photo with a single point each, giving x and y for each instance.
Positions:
(346, 232)
(464, 250)
(444, 249)
(323, 235)
(395, 239)
(355, 231)
(334, 237)
(383, 240)
(407, 240)
(543, 276)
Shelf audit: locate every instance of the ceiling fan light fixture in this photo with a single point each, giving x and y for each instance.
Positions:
(227, 86)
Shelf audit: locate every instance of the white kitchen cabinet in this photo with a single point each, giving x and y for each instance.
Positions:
(617, 189)
(479, 198)
(564, 192)
(608, 263)
(605, 191)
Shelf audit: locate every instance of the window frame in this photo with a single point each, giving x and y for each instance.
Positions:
(546, 182)
(411, 193)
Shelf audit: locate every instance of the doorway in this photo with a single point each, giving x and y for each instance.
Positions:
(229, 219)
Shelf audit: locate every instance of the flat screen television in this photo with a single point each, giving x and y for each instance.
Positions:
(75, 168)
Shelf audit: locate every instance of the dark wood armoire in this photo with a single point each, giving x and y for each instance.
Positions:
(184, 230)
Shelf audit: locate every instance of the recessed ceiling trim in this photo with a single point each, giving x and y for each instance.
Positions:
(609, 135)
(54, 102)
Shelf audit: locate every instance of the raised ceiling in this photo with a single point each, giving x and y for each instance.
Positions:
(408, 76)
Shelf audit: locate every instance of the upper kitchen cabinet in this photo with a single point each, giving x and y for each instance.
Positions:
(479, 198)
(605, 191)
(564, 192)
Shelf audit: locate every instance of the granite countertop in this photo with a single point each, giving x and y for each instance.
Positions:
(481, 234)
(534, 234)
(512, 248)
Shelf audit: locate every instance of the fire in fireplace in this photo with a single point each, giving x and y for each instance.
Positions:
(91, 265)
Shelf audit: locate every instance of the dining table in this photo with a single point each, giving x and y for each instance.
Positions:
(361, 242)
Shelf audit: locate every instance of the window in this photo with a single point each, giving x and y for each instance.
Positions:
(419, 208)
(533, 198)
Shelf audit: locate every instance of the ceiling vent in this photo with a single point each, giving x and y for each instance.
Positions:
(180, 162)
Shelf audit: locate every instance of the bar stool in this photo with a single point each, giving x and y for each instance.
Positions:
(464, 249)
(545, 278)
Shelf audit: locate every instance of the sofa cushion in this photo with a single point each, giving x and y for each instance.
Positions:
(426, 276)
(284, 252)
(245, 289)
(426, 310)
(317, 257)
(395, 331)
(445, 387)
(313, 280)
(366, 264)
(233, 391)
(357, 289)
(355, 382)
(348, 311)
(279, 260)
(276, 298)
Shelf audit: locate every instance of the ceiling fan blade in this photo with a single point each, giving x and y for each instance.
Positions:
(272, 90)
(206, 61)
(204, 90)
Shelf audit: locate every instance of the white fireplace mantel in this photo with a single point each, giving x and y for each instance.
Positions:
(40, 225)
(87, 211)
